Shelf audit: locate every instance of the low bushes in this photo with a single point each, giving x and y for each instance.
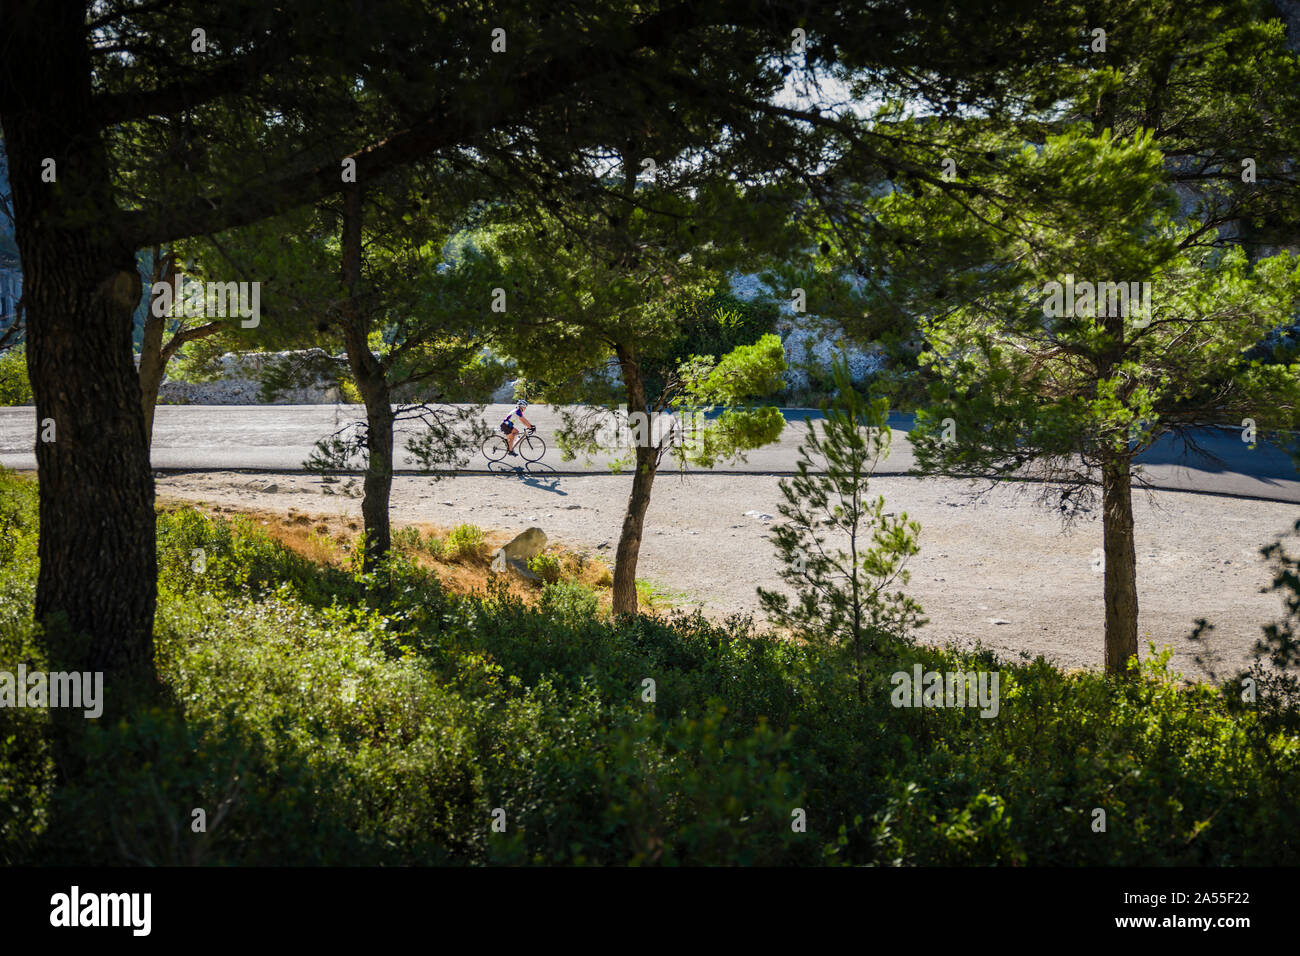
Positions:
(319, 716)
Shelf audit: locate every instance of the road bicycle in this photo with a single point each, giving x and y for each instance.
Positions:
(530, 446)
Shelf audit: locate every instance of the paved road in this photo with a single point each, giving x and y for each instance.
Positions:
(279, 438)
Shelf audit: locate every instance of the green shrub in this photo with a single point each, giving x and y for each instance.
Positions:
(18, 523)
(546, 567)
(15, 388)
(568, 601)
(465, 541)
(407, 539)
(27, 771)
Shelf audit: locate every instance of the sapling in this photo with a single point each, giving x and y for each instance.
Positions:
(842, 554)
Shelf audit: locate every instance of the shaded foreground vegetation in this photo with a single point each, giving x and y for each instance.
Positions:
(321, 715)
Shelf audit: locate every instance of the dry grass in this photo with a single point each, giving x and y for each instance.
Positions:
(329, 539)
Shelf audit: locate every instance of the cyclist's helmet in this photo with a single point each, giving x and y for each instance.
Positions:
(521, 404)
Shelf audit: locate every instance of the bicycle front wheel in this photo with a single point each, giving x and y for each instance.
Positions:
(532, 448)
(495, 448)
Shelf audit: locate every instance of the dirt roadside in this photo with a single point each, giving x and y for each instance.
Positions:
(996, 570)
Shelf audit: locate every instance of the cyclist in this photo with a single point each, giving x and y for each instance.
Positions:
(511, 432)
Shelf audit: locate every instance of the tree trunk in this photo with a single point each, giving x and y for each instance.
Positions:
(153, 361)
(647, 462)
(857, 590)
(97, 561)
(1121, 563)
(379, 462)
(372, 382)
(629, 541)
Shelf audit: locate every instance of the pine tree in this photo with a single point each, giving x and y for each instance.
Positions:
(842, 553)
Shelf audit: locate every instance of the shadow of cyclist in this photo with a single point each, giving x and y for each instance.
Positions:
(532, 473)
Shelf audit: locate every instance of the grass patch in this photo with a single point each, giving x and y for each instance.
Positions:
(659, 597)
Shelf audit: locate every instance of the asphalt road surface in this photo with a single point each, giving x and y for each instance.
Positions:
(279, 438)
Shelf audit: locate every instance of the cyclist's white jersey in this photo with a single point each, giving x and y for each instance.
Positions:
(514, 414)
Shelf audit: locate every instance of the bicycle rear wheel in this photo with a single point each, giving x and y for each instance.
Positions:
(531, 447)
(495, 448)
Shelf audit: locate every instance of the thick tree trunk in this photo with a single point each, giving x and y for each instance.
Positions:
(647, 463)
(1121, 564)
(372, 382)
(96, 588)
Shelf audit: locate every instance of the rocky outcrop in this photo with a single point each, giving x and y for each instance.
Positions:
(238, 382)
(811, 342)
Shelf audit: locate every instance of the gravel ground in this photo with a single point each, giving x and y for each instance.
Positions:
(997, 570)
